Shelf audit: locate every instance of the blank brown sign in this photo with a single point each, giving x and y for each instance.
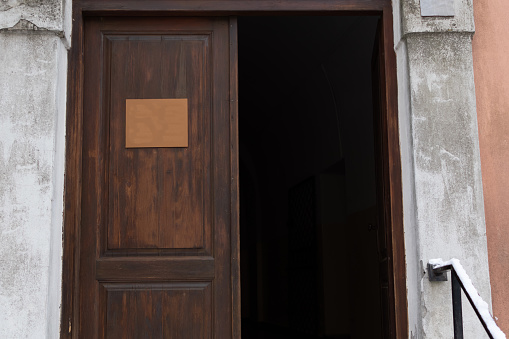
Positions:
(156, 123)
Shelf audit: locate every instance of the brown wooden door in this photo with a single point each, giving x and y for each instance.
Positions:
(155, 241)
(383, 212)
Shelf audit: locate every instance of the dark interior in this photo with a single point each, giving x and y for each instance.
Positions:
(309, 258)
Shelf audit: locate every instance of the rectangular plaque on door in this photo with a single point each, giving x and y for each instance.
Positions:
(156, 123)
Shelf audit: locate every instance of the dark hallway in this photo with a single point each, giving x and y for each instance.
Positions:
(309, 255)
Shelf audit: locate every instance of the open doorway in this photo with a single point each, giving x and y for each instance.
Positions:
(309, 221)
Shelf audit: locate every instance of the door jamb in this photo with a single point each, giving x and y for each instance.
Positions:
(73, 167)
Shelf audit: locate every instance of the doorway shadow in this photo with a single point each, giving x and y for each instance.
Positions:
(309, 252)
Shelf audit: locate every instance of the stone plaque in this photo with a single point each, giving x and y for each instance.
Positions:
(156, 123)
(437, 8)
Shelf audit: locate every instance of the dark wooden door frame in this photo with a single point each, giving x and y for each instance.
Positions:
(390, 136)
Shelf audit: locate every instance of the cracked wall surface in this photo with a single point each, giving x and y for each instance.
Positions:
(36, 15)
(442, 186)
(47, 14)
(33, 69)
(442, 191)
(413, 22)
(31, 116)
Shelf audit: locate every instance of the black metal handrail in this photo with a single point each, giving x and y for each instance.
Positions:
(459, 281)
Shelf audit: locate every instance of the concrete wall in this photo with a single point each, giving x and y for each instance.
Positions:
(443, 200)
(33, 72)
(442, 189)
(491, 71)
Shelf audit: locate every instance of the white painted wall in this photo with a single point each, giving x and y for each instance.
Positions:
(33, 73)
(442, 190)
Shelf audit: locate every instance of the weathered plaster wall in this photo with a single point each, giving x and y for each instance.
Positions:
(491, 71)
(442, 189)
(413, 22)
(33, 68)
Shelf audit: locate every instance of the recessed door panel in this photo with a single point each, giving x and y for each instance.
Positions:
(155, 259)
(160, 195)
(158, 310)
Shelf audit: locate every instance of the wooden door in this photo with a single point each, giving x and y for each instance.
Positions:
(383, 217)
(155, 245)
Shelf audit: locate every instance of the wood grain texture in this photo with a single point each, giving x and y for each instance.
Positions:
(234, 168)
(72, 195)
(175, 310)
(155, 268)
(160, 197)
(382, 187)
(393, 165)
(79, 319)
(92, 197)
(222, 180)
(389, 189)
(232, 6)
(140, 204)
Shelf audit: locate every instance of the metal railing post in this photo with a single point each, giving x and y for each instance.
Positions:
(457, 311)
(460, 282)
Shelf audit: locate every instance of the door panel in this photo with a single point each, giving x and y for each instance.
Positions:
(155, 257)
(161, 196)
(158, 311)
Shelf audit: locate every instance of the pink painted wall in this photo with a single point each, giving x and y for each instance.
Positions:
(491, 72)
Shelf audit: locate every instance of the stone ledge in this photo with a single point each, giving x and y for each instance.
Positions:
(413, 22)
(25, 26)
(47, 14)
